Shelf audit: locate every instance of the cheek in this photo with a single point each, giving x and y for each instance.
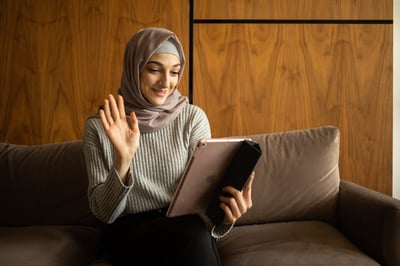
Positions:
(142, 87)
(174, 82)
(144, 82)
(141, 83)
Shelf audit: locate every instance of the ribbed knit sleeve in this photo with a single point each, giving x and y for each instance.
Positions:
(155, 169)
(107, 194)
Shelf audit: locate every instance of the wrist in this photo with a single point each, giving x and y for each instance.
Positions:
(122, 167)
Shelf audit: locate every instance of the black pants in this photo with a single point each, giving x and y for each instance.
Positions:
(153, 239)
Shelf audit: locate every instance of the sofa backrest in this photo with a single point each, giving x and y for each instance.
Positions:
(44, 184)
(297, 177)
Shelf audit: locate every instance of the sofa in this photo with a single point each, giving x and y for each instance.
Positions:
(303, 213)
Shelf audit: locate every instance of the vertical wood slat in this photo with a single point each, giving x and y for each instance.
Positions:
(61, 58)
(294, 9)
(266, 78)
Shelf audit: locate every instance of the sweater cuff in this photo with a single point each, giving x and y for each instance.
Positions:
(129, 178)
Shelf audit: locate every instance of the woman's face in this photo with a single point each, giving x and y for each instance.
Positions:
(159, 77)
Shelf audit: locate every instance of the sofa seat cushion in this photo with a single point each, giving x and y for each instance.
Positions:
(291, 243)
(48, 245)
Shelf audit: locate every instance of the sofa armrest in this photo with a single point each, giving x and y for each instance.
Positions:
(371, 220)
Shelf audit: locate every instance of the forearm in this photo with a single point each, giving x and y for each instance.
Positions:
(122, 166)
(107, 193)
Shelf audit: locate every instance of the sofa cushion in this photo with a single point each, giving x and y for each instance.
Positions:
(290, 243)
(297, 177)
(48, 245)
(44, 184)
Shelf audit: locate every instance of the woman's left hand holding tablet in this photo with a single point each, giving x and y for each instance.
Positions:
(124, 137)
(238, 203)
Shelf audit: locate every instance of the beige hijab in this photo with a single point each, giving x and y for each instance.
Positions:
(137, 53)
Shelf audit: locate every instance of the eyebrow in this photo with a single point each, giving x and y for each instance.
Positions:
(158, 63)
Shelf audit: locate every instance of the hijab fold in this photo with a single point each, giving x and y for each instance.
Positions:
(138, 51)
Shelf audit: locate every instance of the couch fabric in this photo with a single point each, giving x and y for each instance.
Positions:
(297, 177)
(303, 213)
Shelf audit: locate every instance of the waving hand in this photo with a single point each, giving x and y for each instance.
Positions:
(124, 137)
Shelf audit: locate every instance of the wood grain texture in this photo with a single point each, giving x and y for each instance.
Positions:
(254, 79)
(293, 9)
(61, 58)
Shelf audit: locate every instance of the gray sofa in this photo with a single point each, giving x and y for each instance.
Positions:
(303, 213)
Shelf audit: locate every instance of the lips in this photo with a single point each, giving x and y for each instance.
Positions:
(160, 93)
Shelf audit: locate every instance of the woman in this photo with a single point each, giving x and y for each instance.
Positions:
(136, 149)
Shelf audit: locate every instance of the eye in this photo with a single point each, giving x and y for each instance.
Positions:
(175, 73)
(153, 70)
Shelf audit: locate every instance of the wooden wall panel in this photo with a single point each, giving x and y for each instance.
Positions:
(61, 58)
(293, 9)
(257, 78)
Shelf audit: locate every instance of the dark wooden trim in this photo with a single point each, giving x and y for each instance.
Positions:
(289, 21)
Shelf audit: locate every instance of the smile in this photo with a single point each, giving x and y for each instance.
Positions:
(159, 92)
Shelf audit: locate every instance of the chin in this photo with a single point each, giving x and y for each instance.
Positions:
(158, 102)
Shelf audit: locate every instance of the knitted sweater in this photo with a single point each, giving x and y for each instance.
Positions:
(155, 169)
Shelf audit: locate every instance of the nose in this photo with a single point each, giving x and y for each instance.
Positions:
(164, 80)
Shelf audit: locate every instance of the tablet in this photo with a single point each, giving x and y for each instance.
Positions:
(203, 175)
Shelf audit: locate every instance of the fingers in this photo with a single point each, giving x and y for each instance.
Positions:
(107, 113)
(236, 202)
(103, 119)
(234, 207)
(121, 106)
(114, 107)
(112, 110)
(239, 203)
(134, 122)
(229, 218)
(247, 190)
